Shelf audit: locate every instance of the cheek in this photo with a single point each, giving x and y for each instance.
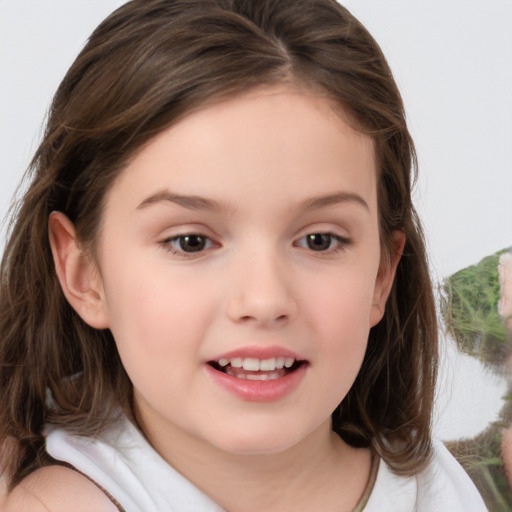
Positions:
(342, 302)
(340, 311)
(154, 316)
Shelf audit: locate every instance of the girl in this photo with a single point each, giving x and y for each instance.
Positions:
(215, 293)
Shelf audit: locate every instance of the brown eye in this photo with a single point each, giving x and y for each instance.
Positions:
(319, 241)
(187, 244)
(192, 243)
(323, 242)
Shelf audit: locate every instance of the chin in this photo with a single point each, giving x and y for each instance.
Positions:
(259, 441)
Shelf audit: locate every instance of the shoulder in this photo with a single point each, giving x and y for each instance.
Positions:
(445, 482)
(442, 485)
(56, 489)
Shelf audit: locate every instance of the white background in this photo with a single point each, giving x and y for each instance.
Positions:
(452, 60)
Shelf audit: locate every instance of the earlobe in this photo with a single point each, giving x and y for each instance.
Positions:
(386, 277)
(78, 276)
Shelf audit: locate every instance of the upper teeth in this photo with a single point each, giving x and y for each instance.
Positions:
(254, 365)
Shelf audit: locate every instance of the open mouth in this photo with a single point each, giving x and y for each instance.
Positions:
(251, 368)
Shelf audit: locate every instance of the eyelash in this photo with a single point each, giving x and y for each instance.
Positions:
(341, 242)
(180, 239)
(206, 243)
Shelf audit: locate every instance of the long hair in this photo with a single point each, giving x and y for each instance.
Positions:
(146, 66)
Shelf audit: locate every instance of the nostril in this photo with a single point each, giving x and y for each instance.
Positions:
(248, 318)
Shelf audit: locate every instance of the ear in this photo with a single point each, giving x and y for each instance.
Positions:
(77, 273)
(386, 277)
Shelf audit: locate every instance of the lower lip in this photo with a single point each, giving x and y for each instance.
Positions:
(259, 390)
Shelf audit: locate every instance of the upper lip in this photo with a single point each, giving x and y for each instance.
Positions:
(259, 352)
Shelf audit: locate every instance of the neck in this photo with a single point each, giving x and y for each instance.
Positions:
(320, 473)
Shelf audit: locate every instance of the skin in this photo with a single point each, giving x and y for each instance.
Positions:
(505, 309)
(56, 489)
(505, 278)
(265, 159)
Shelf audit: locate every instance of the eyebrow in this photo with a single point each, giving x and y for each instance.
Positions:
(334, 199)
(193, 202)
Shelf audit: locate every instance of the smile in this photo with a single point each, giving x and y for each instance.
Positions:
(254, 379)
(252, 368)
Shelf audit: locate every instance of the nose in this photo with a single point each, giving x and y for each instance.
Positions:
(261, 291)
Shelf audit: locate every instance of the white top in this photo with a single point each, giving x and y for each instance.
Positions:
(124, 464)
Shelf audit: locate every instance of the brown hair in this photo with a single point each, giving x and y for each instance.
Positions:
(144, 67)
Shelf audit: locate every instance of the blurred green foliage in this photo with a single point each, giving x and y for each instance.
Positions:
(481, 458)
(469, 307)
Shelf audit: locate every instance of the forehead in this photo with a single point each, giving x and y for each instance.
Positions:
(266, 143)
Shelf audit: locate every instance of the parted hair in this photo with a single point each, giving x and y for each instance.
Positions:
(146, 66)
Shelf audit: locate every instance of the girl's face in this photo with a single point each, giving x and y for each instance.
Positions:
(241, 240)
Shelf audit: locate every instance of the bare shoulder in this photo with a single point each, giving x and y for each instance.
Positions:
(56, 489)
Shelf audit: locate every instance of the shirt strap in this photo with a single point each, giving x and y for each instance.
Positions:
(104, 491)
(371, 483)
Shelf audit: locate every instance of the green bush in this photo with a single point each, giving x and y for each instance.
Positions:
(469, 306)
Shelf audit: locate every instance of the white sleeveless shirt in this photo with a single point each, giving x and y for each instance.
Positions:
(125, 465)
